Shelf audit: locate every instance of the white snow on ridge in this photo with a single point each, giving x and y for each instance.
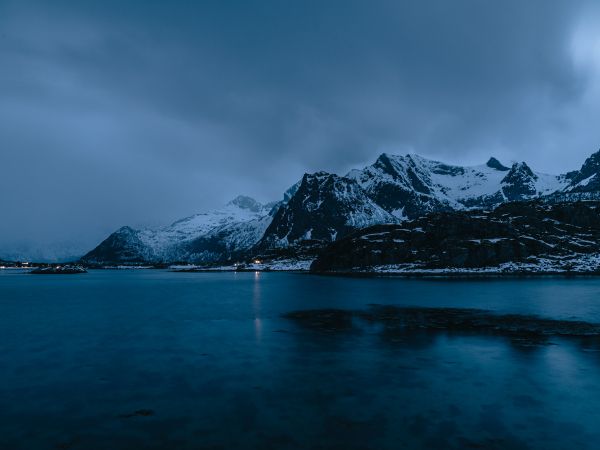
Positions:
(584, 263)
(473, 182)
(251, 217)
(464, 183)
(547, 184)
(583, 182)
(450, 184)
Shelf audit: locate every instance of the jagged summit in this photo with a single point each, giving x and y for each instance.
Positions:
(591, 164)
(519, 183)
(384, 163)
(587, 179)
(409, 186)
(245, 202)
(324, 207)
(519, 170)
(493, 163)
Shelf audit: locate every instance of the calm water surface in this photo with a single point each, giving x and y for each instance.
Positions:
(219, 368)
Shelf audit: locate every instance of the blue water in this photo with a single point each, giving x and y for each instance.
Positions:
(219, 368)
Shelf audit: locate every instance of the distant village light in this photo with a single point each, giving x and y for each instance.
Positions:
(257, 261)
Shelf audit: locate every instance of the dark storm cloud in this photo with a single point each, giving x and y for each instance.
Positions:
(141, 112)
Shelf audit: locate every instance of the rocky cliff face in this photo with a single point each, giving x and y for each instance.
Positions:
(403, 185)
(523, 232)
(123, 246)
(493, 163)
(519, 183)
(323, 208)
(583, 184)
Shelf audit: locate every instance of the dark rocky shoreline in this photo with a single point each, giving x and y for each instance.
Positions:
(522, 237)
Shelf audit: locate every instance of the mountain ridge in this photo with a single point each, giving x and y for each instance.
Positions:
(323, 207)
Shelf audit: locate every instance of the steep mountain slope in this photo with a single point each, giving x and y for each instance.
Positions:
(410, 186)
(323, 208)
(225, 242)
(583, 184)
(529, 236)
(181, 239)
(402, 185)
(122, 246)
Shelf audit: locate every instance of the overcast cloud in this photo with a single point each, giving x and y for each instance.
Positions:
(142, 112)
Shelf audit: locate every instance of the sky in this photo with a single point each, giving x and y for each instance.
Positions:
(143, 112)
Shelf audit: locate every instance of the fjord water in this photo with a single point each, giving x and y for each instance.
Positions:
(155, 360)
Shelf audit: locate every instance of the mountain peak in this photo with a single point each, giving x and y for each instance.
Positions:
(522, 169)
(495, 164)
(319, 174)
(324, 207)
(317, 177)
(126, 230)
(591, 165)
(586, 179)
(384, 163)
(245, 202)
(519, 182)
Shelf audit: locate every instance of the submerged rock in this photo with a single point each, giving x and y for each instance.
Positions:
(138, 413)
(406, 319)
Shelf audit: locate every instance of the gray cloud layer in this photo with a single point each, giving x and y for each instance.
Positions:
(141, 112)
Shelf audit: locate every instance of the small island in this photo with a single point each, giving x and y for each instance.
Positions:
(58, 270)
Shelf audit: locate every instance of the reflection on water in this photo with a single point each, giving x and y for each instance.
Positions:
(190, 361)
(256, 306)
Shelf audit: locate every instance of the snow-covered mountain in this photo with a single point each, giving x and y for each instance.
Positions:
(324, 207)
(226, 241)
(409, 186)
(583, 184)
(189, 236)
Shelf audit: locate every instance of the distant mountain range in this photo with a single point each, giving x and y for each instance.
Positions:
(322, 208)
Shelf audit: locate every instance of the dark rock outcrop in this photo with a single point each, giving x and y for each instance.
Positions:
(323, 208)
(513, 232)
(402, 186)
(584, 184)
(519, 183)
(495, 164)
(123, 246)
(396, 321)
